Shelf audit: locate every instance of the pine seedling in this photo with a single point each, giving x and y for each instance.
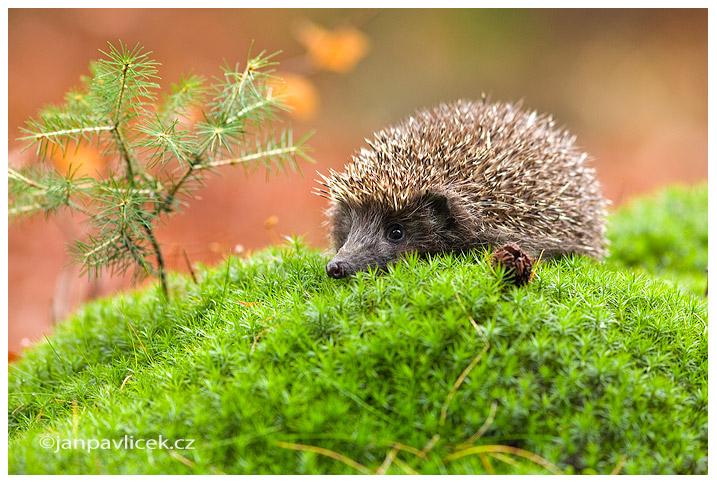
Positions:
(157, 154)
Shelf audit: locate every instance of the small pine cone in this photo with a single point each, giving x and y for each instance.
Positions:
(517, 263)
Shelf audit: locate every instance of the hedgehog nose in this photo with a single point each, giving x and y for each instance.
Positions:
(337, 269)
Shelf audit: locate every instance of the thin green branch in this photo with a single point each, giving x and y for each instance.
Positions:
(17, 176)
(252, 107)
(80, 209)
(160, 258)
(86, 256)
(125, 153)
(168, 199)
(284, 151)
(24, 209)
(123, 88)
(253, 66)
(237, 88)
(67, 132)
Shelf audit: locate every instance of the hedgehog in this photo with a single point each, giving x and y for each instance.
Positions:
(462, 176)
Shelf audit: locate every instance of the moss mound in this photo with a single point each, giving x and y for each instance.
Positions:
(267, 366)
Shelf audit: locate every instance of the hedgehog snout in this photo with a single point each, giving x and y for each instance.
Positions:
(338, 269)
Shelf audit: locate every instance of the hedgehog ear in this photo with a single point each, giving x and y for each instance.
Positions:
(440, 204)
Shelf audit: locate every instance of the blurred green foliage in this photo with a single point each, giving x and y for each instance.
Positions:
(664, 235)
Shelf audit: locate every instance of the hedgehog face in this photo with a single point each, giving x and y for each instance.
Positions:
(372, 236)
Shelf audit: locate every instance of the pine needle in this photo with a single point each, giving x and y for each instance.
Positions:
(459, 382)
(328, 453)
(484, 428)
(135, 333)
(505, 449)
(390, 456)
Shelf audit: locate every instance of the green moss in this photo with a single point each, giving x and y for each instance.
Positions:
(588, 369)
(664, 235)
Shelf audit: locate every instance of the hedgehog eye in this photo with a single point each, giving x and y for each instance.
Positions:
(395, 233)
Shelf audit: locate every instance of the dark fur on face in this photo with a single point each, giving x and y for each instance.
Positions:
(372, 236)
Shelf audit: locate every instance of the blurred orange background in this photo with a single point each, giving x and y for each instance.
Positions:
(631, 84)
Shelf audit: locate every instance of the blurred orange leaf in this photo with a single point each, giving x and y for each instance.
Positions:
(271, 222)
(86, 160)
(218, 247)
(300, 94)
(336, 50)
